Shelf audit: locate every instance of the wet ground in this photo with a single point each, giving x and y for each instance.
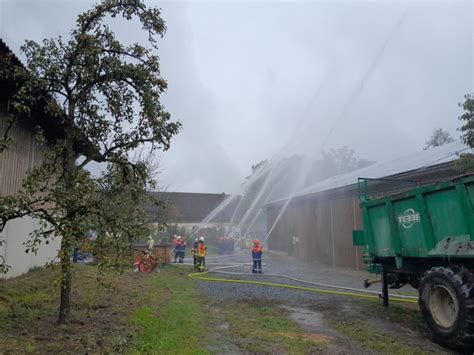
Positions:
(308, 271)
(349, 325)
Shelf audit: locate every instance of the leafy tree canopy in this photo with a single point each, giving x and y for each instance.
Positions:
(466, 162)
(438, 138)
(467, 118)
(105, 97)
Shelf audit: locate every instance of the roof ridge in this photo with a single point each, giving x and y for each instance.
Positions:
(6, 49)
(443, 155)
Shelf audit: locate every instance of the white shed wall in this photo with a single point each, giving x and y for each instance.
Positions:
(14, 235)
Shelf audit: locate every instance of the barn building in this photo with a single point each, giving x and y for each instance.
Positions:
(318, 221)
(21, 155)
(188, 209)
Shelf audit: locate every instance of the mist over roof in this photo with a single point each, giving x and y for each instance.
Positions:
(414, 162)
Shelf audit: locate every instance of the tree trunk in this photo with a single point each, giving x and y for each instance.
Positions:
(66, 281)
(70, 175)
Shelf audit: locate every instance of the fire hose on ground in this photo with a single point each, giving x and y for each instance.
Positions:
(350, 291)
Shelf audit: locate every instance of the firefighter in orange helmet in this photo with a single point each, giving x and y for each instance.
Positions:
(257, 251)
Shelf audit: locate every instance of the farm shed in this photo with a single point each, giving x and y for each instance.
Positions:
(318, 221)
(21, 155)
(188, 209)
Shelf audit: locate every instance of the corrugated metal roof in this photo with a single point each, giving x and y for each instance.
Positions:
(417, 161)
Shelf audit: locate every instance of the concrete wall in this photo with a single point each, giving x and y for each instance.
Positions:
(14, 235)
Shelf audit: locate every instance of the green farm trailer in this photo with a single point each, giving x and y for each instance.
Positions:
(425, 237)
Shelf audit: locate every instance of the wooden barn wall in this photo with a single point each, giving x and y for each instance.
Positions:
(289, 228)
(358, 225)
(324, 229)
(322, 233)
(21, 155)
(304, 229)
(275, 235)
(280, 238)
(324, 224)
(343, 222)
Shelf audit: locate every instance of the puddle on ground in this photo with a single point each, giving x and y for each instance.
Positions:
(310, 321)
(319, 332)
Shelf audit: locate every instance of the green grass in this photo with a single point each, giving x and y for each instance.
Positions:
(405, 315)
(266, 328)
(143, 313)
(172, 319)
(162, 312)
(35, 268)
(372, 338)
(24, 299)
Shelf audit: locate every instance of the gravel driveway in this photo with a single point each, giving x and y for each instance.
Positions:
(288, 266)
(320, 313)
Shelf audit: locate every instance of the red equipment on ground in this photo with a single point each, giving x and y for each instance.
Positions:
(145, 262)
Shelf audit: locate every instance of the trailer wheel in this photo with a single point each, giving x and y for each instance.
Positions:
(448, 307)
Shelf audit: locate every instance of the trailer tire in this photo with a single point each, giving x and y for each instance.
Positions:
(447, 305)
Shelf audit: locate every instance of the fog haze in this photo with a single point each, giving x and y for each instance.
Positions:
(249, 80)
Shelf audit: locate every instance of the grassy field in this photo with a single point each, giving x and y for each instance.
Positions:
(162, 312)
(372, 338)
(260, 327)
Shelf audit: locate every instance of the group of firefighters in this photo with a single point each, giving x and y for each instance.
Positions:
(198, 251)
(199, 248)
(179, 248)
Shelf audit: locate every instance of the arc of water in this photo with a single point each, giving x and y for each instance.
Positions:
(259, 195)
(341, 116)
(296, 187)
(252, 180)
(265, 202)
(226, 202)
(359, 88)
(365, 78)
(286, 147)
(213, 214)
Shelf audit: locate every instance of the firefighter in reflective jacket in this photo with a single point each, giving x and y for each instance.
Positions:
(257, 251)
(176, 241)
(201, 254)
(181, 249)
(194, 251)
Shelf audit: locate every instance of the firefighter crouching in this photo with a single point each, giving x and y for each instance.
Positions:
(201, 254)
(257, 251)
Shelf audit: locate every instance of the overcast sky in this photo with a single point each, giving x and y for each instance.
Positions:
(248, 78)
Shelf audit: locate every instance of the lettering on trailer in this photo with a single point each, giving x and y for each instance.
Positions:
(409, 218)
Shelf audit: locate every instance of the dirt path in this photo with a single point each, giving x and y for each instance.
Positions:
(315, 323)
(338, 324)
(167, 311)
(221, 340)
